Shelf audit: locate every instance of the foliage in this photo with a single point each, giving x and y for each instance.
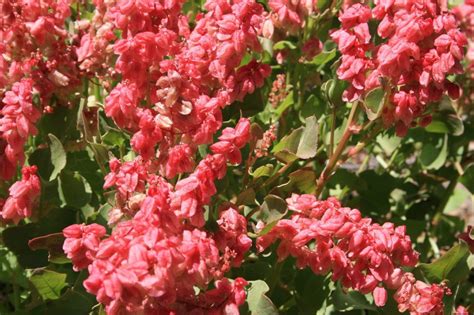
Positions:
(208, 157)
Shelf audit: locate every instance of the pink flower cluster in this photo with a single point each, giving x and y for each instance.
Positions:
(421, 47)
(465, 14)
(24, 196)
(17, 122)
(153, 261)
(288, 15)
(174, 80)
(362, 255)
(81, 243)
(34, 62)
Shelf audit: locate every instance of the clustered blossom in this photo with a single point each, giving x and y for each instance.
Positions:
(174, 80)
(362, 255)
(461, 310)
(287, 15)
(278, 92)
(153, 261)
(34, 63)
(422, 46)
(82, 242)
(24, 196)
(263, 145)
(17, 122)
(465, 13)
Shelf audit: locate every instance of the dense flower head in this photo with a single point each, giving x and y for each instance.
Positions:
(174, 80)
(158, 253)
(34, 65)
(233, 234)
(23, 196)
(82, 242)
(421, 47)
(18, 116)
(465, 13)
(289, 16)
(150, 264)
(418, 297)
(461, 310)
(362, 255)
(165, 78)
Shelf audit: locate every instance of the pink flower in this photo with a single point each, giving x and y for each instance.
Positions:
(121, 105)
(380, 296)
(421, 47)
(24, 196)
(232, 235)
(82, 242)
(461, 310)
(17, 118)
(179, 160)
(419, 298)
(128, 177)
(362, 255)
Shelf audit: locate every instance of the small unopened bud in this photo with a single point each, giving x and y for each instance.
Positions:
(268, 29)
(82, 24)
(163, 121)
(58, 78)
(185, 108)
(161, 108)
(135, 202)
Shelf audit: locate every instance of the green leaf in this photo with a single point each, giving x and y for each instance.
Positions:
(246, 197)
(456, 200)
(74, 190)
(289, 142)
(374, 103)
(10, 270)
(441, 268)
(53, 243)
(433, 157)
(287, 102)
(304, 180)
(324, 57)
(312, 290)
(467, 179)
(351, 300)
(309, 139)
(41, 157)
(262, 171)
(332, 90)
(259, 303)
(312, 106)
(16, 238)
(446, 120)
(446, 123)
(58, 156)
(70, 303)
(114, 138)
(302, 142)
(284, 44)
(388, 143)
(323, 4)
(437, 126)
(49, 283)
(272, 210)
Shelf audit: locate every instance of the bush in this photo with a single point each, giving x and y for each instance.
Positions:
(236, 157)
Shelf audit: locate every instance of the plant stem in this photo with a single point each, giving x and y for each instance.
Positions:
(334, 159)
(333, 129)
(277, 174)
(361, 144)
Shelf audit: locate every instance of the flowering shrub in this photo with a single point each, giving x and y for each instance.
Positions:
(236, 157)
